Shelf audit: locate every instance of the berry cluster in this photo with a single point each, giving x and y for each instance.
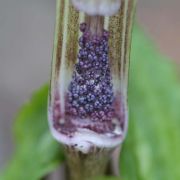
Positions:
(90, 93)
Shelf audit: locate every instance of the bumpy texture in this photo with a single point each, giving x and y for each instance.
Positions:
(90, 94)
(90, 91)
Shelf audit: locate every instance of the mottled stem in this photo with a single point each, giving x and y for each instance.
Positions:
(86, 166)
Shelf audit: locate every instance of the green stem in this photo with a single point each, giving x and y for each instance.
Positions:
(86, 166)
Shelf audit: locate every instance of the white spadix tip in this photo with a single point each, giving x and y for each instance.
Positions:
(98, 7)
(85, 140)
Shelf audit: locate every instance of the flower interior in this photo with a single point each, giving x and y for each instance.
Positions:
(91, 105)
(88, 92)
(90, 102)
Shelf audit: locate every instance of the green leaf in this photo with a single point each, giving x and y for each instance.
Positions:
(37, 153)
(151, 150)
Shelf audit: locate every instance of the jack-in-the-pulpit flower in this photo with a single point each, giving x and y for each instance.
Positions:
(87, 108)
(88, 95)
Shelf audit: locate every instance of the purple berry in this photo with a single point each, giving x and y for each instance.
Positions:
(82, 111)
(90, 97)
(90, 91)
(82, 100)
(83, 27)
(97, 104)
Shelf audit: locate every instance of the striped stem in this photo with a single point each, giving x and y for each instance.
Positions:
(88, 147)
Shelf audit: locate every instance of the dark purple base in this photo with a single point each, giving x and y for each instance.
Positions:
(68, 123)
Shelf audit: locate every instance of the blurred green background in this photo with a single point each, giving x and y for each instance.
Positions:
(26, 37)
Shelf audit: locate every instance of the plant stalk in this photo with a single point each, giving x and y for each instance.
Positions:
(86, 166)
